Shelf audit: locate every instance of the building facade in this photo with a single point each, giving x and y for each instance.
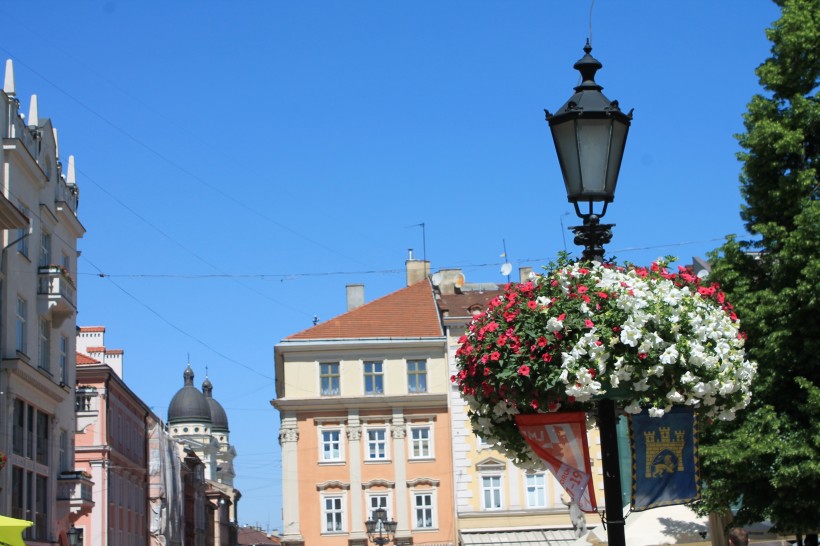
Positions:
(38, 309)
(197, 422)
(111, 438)
(363, 401)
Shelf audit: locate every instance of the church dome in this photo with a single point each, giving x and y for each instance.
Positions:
(189, 405)
(219, 419)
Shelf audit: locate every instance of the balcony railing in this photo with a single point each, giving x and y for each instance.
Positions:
(74, 492)
(57, 289)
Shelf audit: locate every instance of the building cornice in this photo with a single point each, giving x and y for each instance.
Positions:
(436, 400)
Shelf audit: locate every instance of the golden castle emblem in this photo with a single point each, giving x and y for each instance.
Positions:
(665, 455)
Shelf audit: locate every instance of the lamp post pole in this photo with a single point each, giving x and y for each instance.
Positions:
(589, 133)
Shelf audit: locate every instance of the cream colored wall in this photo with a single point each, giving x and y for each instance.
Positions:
(302, 371)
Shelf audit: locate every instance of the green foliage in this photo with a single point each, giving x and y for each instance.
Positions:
(769, 459)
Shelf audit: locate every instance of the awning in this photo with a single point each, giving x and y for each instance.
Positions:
(11, 531)
(541, 537)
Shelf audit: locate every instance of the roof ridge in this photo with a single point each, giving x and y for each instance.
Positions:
(401, 313)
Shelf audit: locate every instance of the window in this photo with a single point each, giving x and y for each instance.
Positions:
(22, 332)
(536, 490)
(377, 444)
(416, 376)
(64, 360)
(22, 233)
(374, 502)
(329, 378)
(333, 514)
(45, 248)
(373, 378)
(491, 492)
(42, 438)
(423, 510)
(331, 445)
(45, 345)
(420, 442)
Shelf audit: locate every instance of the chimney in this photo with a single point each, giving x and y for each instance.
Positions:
(524, 274)
(355, 296)
(417, 270)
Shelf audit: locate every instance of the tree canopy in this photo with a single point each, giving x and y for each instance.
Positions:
(767, 462)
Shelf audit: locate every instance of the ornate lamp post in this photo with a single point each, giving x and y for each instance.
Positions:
(380, 531)
(590, 135)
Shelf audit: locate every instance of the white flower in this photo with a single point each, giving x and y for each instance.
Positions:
(554, 325)
(670, 355)
(656, 412)
(675, 397)
(633, 407)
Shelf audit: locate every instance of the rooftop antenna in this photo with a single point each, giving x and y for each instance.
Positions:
(423, 240)
(563, 237)
(506, 267)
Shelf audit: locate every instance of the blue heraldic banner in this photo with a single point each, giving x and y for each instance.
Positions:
(665, 465)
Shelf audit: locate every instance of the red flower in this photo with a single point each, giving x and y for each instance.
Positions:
(495, 355)
(524, 370)
(589, 324)
(603, 295)
(534, 404)
(532, 305)
(582, 289)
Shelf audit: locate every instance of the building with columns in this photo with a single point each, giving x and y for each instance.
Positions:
(38, 310)
(364, 421)
(199, 425)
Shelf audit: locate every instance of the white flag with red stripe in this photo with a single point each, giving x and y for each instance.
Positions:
(560, 440)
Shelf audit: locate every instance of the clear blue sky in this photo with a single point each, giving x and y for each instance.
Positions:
(239, 163)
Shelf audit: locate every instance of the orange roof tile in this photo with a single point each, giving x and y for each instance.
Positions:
(92, 328)
(409, 312)
(95, 349)
(114, 351)
(85, 359)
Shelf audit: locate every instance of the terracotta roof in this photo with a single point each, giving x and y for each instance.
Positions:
(85, 359)
(409, 312)
(114, 351)
(95, 349)
(92, 328)
(463, 304)
(248, 536)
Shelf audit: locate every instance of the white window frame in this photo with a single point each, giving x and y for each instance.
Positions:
(22, 233)
(323, 444)
(330, 377)
(495, 489)
(63, 359)
(372, 506)
(341, 511)
(384, 441)
(416, 374)
(537, 491)
(44, 346)
(21, 342)
(413, 443)
(374, 371)
(45, 249)
(415, 495)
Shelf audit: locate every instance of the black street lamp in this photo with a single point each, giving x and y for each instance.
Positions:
(74, 536)
(379, 524)
(590, 135)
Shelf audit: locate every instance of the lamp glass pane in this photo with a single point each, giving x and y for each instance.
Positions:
(566, 146)
(593, 142)
(616, 154)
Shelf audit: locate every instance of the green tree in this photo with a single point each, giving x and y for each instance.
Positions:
(768, 460)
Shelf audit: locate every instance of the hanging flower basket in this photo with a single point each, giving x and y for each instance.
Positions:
(645, 337)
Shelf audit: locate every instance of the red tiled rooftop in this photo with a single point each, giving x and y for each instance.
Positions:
(95, 349)
(113, 351)
(85, 359)
(92, 328)
(409, 312)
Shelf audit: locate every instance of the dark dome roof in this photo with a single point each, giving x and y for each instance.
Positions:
(219, 419)
(188, 404)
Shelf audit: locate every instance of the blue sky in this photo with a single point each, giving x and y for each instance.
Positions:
(239, 163)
